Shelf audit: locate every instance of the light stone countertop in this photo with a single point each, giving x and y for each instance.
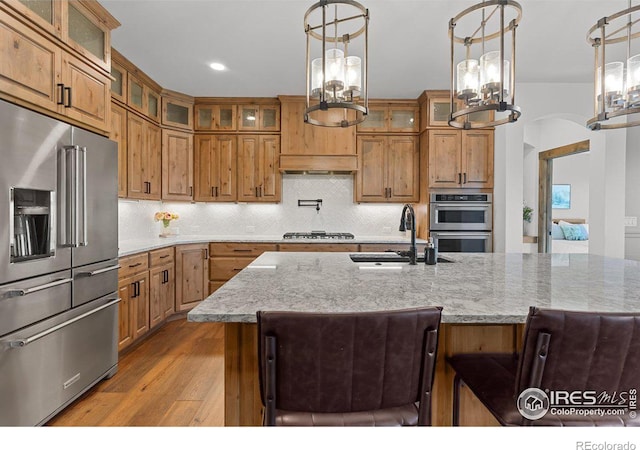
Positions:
(479, 288)
(130, 247)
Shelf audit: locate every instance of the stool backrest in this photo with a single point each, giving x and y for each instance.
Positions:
(336, 363)
(583, 351)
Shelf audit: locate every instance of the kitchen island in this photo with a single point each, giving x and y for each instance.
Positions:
(485, 299)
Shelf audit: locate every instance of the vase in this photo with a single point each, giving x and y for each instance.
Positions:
(166, 230)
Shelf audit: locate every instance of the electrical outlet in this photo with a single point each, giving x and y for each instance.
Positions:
(386, 230)
(251, 229)
(630, 221)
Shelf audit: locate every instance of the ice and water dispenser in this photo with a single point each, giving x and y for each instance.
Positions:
(32, 236)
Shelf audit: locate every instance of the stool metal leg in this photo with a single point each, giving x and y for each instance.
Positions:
(456, 401)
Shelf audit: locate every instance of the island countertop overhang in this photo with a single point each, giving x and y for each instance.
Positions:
(477, 288)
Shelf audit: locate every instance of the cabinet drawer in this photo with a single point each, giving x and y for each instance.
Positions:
(318, 247)
(161, 256)
(225, 268)
(131, 265)
(240, 249)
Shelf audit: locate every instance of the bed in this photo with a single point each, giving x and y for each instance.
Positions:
(560, 243)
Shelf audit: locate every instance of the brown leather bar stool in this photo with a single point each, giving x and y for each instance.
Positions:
(347, 369)
(566, 351)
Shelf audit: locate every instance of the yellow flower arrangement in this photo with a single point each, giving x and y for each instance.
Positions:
(166, 217)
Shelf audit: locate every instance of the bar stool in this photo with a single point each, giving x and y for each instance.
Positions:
(347, 369)
(563, 351)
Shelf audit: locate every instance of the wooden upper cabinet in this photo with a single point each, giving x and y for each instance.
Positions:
(477, 158)
(215, 168)
(215, 117)
(177, 165)
(389, 169)
(119, 82)
(135, 94)
(30, 68)
(461, 159)
(177, 110)
(258, 117)
(144, 163)
(259, 178)
(439, 108)
(86, 93)
(85, 26)
(390, 118)
(119, 135)
(46, 14)
(435, 108)
(87, 29)
(153, 104)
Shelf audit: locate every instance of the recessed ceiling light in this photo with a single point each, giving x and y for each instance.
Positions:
(217, 66)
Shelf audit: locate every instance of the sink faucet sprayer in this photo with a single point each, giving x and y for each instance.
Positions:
(408, 222)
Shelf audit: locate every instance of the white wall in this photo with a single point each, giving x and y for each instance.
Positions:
(338, 213)
(632, 198)
(570, 101)
(574, 171)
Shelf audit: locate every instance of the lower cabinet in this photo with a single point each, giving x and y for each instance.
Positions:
(154, 285)
(162, 291)
(295, 247)
(192, 267)
(229, 258)
(133, 290)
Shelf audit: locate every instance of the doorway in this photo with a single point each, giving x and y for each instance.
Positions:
(545, 183)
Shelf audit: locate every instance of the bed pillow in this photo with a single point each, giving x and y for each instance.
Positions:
(585, 229)
(556, 232)
(573, 232)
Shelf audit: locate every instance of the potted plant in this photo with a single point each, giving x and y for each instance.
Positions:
(527, 213)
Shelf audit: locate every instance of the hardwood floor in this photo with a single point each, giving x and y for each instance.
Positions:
(174, 378)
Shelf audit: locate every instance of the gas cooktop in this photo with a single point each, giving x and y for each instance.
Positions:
(317, 235)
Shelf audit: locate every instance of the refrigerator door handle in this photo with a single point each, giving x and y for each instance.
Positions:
(82, 194)
(69, 196)
(26, 341)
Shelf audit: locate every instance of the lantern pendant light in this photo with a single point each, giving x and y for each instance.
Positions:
(337, 77)
(619, 95)
(484, 87)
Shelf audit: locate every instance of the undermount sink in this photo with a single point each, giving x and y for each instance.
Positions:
(390, 257)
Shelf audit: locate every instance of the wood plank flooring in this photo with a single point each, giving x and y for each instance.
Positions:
(174, 378)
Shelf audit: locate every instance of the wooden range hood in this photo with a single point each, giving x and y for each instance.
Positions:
(313, 149)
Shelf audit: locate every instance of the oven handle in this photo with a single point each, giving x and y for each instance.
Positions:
(460, 233)
(26, 341)
(482, 205)
(31, 290)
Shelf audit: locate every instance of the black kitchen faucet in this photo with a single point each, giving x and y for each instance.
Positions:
(408, 222)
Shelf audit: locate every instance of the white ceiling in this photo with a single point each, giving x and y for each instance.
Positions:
(262, 42)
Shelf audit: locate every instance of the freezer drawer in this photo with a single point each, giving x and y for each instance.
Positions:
(46, 366)
(94, 281)
(29, 301)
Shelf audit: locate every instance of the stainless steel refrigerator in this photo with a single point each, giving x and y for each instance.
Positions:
(58, 264)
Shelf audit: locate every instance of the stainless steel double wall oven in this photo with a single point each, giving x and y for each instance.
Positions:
(461, 222)
(58, 264)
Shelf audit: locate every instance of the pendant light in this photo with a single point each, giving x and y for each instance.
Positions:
(336, 63)
(483, 83)
(619, 95)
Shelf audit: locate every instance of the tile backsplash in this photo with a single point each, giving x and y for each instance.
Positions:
(338, 213)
